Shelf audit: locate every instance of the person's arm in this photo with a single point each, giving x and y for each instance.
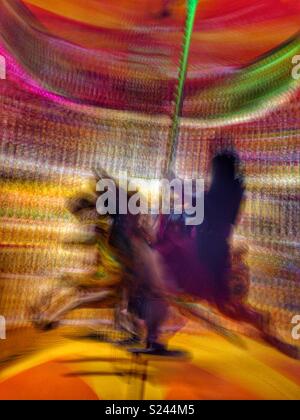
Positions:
(239, 198)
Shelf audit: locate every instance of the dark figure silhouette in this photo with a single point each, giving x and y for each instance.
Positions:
(222, 204)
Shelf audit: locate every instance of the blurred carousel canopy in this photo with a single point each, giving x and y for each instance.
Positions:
(97, 83)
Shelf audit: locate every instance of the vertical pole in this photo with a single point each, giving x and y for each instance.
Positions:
(191, 8)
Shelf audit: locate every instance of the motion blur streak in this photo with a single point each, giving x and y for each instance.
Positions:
(93, 83)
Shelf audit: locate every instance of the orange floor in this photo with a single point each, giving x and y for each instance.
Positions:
(60, 366)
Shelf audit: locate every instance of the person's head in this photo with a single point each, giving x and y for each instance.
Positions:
(83, 207)
(225, 166)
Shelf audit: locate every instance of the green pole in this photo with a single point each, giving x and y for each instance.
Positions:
(174, 134)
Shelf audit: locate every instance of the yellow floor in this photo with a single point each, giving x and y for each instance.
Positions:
(60, 366)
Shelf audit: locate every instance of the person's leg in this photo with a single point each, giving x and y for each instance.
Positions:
(156, 313)
(247, 314)
(128, 320)
(80, 299)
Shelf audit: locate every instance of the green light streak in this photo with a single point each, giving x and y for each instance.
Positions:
(189, 26)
